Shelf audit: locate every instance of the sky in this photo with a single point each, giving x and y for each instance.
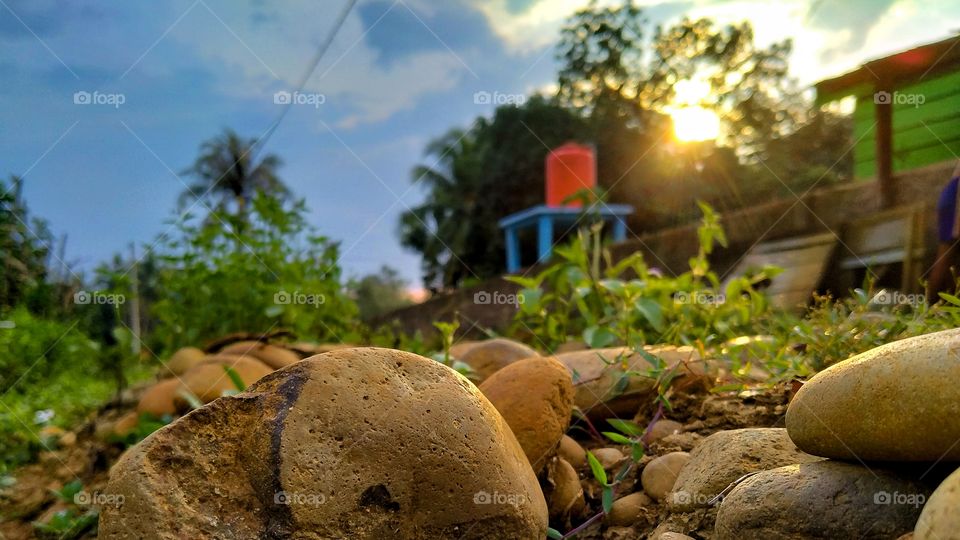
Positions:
(156, 79)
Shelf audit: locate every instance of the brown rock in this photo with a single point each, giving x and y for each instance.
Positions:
(608, 457)
(659, 476)
(571, 451)
(126, 424)
(668, 535)
(209, 380)
(487, 357)
(567, 493)
(823, 499)
(855, 409)
(305, 349)
(598, 373)
(271, 355)
(184, 359)
(940, 518)
(356, 443)
(158, 400)
(460, 348)
(535, 397)
(625, 511)
(725, 456)
(660, 429)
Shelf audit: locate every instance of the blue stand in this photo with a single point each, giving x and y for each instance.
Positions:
(544, 218)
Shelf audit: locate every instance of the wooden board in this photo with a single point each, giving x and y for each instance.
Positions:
(803, 260)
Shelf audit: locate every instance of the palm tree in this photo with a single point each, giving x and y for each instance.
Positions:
(227, 177)
(444, 229)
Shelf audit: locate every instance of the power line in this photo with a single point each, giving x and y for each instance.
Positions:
(321, 51)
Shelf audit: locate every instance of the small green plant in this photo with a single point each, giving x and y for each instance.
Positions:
(447, 332)
(628, 433)
(71, 522)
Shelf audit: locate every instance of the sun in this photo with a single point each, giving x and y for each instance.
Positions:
(692, 122)
(695, 124)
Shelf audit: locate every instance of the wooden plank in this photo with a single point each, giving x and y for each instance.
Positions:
(803, 260)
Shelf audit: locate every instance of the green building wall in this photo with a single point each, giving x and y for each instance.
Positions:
(923, 133)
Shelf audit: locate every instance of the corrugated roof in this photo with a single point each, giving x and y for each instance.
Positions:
(893, 71)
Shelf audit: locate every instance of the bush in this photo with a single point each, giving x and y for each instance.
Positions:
(49, 366)
(264, 272)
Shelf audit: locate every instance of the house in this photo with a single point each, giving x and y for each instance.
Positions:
(907, 112)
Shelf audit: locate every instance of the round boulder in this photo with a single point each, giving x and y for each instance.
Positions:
(271, 355)
(158, 400)
(940, 518)
(209, 379)
(571, 451)
(659, 476)
(535, 397)
(878, 406)
(184, 359)
(625, 511)
(725, 456)
(598, 376)
(824, 499)
(355, 443)
(488, 357)
(567, 494)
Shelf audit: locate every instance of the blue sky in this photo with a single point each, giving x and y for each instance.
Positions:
(399, 73)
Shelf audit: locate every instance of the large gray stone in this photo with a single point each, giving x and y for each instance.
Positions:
(725, 456)
(825, 499)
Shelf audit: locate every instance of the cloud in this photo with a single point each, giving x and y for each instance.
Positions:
(270, 47)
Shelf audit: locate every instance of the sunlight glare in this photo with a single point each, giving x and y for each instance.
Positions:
(695, 124)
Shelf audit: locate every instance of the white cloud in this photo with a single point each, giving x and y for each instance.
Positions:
(273, 53)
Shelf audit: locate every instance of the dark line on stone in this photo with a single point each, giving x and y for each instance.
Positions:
(280, 522)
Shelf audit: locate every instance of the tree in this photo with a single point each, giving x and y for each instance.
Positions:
(227, 177)
(379, 293)
(25, 244)
(479, 176)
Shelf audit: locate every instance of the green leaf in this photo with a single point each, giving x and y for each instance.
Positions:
(598, 337)
(191, 399)
(617, 438)
(626, 426)
(607, 499)
(650, 309)
(636, 453)
(235, 378)
(950, 298)
(555, 534)
(597, 469)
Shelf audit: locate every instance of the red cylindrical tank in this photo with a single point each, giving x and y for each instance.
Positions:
(570, 168)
